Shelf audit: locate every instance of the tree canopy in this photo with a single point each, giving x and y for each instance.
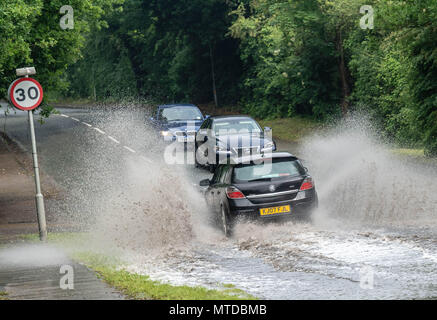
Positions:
(30, 34)
(272, 58)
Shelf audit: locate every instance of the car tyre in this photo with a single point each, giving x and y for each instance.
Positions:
(196, 164)
(226, 223)
(211, 168)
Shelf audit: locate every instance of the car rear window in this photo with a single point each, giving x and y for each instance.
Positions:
(274, 170)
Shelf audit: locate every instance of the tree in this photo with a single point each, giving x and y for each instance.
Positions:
(290, 63)
(342, 17)
(395, 69)
(30, 34)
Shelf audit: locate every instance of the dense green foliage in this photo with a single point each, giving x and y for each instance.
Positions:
(395, 71)
(291, 63)
(166, 48)
(30, 34)
(274, 58)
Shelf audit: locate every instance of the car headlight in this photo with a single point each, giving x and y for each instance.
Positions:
(166, 133)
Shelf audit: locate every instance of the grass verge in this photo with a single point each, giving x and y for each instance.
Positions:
(416, 155)
(141, 287)
(409, 152)
(291, 129)
(136, 286)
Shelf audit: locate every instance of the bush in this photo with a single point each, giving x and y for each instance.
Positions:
(431, 141)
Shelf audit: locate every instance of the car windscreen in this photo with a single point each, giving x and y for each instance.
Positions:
(235, 126)
(272, 169)
(180, 114)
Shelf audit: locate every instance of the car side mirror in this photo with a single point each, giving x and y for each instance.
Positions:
(205, 183)
(306, 169)
(267, 129)
(207, 116)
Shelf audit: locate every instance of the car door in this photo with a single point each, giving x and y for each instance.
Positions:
(224, 181)
(209, 193)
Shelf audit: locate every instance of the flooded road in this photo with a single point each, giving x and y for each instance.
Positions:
(373, 237)
(298, 261)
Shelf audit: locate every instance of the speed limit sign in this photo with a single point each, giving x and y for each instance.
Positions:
(25, 93)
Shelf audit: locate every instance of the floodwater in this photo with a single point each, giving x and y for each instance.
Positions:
(373, 237)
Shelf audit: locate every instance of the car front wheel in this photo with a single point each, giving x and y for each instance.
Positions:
(225, 222)
(196, 163)
(211, 168)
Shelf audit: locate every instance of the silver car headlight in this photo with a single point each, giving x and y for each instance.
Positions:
(166, 133)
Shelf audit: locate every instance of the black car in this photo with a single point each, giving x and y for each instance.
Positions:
(221, 138)
(261, 187)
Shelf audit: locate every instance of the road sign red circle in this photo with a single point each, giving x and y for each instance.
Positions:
(25, 94)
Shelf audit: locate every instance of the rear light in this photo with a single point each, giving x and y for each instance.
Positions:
(307, 184)
(234, 193)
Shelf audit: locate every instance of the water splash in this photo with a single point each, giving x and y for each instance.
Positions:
(132, 202)
(360, 181)
(31, 255)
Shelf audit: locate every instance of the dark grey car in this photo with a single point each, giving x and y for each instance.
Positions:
(261, 187)
(221, 139)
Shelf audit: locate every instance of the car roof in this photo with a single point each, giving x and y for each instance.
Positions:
(273, 155)
(177, 105)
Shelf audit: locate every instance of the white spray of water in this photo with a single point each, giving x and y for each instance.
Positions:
(150, 213)
(32, 255)
(360, 181)
(130, 204)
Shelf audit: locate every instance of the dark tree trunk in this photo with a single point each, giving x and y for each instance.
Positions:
(344, 75)
(94, 71)
(214, 91)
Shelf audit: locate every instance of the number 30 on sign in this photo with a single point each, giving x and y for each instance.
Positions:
(25, 94)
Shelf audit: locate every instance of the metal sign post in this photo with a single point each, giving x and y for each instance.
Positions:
(40, 210)
(26, 94)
